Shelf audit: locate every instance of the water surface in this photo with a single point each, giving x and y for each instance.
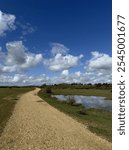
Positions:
(88, 101)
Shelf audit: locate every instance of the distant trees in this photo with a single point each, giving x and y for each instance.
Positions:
(79, 86)
(48, 90)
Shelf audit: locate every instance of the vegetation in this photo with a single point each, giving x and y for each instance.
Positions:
(80, 89)
(8, 99)
(83, 111)
(98, 121)
(85, 92)
(71, 101)
(48, 90)
(79, 86)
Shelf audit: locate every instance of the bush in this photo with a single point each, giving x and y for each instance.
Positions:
(82, 111)
(48, 90)
(71, 101)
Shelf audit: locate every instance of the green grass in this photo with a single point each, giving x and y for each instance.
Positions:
(98, 121)
(8, 99)
(86, 92)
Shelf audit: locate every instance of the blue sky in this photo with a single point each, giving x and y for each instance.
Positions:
(55, 41)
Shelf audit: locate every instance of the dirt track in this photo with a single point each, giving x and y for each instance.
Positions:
(35, 125)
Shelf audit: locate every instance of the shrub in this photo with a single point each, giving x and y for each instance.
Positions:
(71, 101)
(82, 111)
(48, 90)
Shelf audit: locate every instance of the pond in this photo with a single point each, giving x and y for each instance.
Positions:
(87, 101)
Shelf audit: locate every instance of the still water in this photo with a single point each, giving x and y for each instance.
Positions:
(88, 101)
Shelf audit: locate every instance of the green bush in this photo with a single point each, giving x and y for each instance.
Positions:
(48, 90)
(71, 101)
(83, 111)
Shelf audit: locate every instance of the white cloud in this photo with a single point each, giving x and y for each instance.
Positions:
(60, 62)
(99, 68)
(19, 78)
(67, 78)
(65, 72)
(8, 69)
(58, 48)
(32, 60)
(6, 23)
(18, 58)
(16, 53)
(23, 79)
(2, 56)
(100, 61)
(97, 71)
(78, 73)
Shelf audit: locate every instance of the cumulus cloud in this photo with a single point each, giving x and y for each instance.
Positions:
(2, 55)
(64, 77)
(65, 72)
(18, 58)
(100, 61)
(32, 60)
(99, 68)
(6, 23)
(76, 77)
(78, 73)
(23, 80)
(16, 53)
(61, 60)
(58, 48)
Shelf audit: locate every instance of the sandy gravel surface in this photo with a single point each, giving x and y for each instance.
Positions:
(35, 125)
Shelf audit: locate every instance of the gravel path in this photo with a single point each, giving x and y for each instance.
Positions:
(35, 125)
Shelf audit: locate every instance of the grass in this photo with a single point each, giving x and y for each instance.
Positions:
(8, 99)
(98, 121)
(86, 92)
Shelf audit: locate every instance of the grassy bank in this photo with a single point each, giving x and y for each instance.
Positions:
(98, 121)
(86, 92)
(8, 99)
